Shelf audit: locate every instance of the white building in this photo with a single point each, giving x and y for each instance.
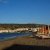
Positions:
(1, 31)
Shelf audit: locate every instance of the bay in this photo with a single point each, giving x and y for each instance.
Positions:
(6, 36)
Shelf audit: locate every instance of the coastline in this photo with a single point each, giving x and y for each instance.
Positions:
(25, 41)
(14, 30)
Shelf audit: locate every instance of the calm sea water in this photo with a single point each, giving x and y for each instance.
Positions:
(6, 36)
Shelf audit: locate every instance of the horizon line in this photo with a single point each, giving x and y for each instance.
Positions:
(26, 23)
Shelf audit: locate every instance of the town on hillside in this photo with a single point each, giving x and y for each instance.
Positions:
(41, 28)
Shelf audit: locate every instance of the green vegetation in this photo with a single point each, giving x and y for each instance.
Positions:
(15, 26)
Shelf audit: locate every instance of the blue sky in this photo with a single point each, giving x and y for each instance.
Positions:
(25, 11)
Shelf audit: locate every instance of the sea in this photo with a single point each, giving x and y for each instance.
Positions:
(8, 36)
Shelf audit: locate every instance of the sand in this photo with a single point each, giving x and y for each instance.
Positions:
(25, 41)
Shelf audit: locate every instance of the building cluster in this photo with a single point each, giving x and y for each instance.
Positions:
(40, 30)
(20, 29)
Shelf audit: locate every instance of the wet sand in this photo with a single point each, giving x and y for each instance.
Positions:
(25, 41)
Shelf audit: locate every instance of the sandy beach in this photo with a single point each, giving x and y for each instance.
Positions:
(25, 41)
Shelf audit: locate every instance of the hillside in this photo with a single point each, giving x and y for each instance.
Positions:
(15, 26)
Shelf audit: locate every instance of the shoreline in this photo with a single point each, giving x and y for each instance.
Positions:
(15, 30)
(25, 41)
